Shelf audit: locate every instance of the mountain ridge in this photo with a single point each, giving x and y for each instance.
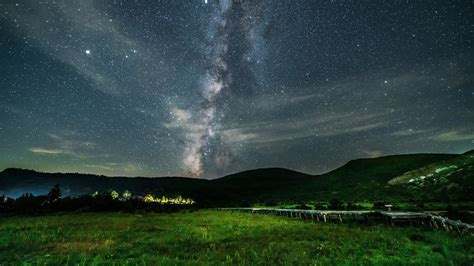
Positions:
(248, 170)
(359, 179)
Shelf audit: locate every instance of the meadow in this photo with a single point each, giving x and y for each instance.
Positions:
(219, 238)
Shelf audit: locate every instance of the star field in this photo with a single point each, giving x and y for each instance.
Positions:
(205, 88)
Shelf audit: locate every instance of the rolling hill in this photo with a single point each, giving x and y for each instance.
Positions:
(394, 178)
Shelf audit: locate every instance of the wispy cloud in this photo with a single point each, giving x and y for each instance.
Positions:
(319, 126)
(85, 19)
(69, 140)
(373, 153)
(46, 151)
(57, 152)
(99, 166)
(67, 143)
(276, 101)
(408, 132)
(455, 136)
(125, 168)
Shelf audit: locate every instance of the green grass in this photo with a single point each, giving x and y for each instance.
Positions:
(211, 237)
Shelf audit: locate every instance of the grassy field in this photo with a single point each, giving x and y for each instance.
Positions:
(211, 237)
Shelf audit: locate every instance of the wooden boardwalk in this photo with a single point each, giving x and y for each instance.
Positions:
(389, 217)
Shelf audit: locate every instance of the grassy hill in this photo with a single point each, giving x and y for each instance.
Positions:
(363, 179)
(447, 177)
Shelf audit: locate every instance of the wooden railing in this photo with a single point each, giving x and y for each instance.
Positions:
(390, 217)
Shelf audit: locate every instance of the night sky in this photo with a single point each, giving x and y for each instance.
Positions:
(206, 88)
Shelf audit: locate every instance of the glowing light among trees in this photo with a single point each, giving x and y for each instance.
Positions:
(166, 200)
(114, 194)
(127, 195)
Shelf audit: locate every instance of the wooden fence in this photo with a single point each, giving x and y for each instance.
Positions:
(389, 217)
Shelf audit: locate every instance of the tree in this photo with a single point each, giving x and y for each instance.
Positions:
(54, 194)
(127, 195)
(114, 194)
(148, 198)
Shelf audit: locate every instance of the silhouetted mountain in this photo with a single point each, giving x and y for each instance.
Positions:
(361, 179)
(17, 181)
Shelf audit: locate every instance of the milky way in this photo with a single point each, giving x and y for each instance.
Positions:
(215, 80)
(206, 88)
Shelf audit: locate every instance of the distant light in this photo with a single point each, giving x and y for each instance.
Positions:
(88, 51)
(205, 1)
(386, 81)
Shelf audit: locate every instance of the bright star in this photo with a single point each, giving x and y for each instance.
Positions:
(88, 51)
